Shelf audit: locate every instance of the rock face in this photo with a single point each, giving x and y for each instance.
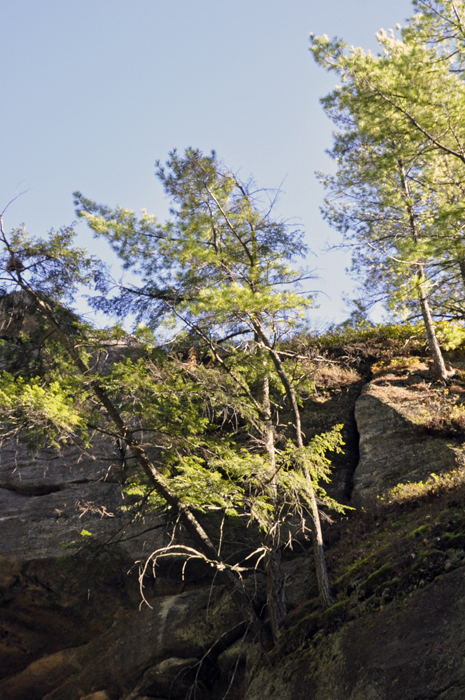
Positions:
(393, 445)
(48, 500)
(73, 629)
(45, 504)
(320, 415)
(158, 650)
(411, 650)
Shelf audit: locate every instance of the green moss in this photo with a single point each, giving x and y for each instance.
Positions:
(392, 583)
(380, 574)
(457, 526)
(304, 626)
(454, 540)
(352, 569)
(418, 531)
(427, 554)
(337, 607)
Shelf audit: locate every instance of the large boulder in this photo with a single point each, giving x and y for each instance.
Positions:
(394, 445)
(170, 638)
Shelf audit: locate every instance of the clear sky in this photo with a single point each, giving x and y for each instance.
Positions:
(93, 92)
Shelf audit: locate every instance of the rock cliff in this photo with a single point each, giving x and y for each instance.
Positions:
(72, 622)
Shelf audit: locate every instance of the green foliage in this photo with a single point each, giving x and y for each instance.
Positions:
(51, 266)
(220, 276)
(46, 414)
(202, 418)
(86, 534)
(215, 265)
(341, 335)
(28, 345)
(397, 193)
(315, 457)
(241, 483)
(450, 335)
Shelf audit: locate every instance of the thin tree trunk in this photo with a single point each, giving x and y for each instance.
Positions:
(440, 370)
(435, 350)
(232, 584)
(317, 535)
(275, 592)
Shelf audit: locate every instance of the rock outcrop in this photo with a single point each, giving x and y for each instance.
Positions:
(158, 651)
(72, 625)
(46, 501)
(411, 650)
(394, 447)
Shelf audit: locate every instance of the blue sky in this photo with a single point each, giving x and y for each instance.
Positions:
(93, 92)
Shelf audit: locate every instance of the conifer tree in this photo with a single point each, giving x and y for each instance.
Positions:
(74, 396)
(396, 196)
(220, 270)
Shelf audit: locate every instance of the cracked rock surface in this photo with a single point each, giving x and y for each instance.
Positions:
(47, 500)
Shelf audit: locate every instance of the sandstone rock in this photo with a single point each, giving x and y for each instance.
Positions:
(182, 626)
(41, 676)
(321, 414)
(63, 494)
(232, 664)
(393, 447)
(9, 572)
(410, 650)
(50, 470)
(233, 656)
(172, 678)
(413, 649)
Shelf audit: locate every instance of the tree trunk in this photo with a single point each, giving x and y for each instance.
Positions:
(440, 370)
(275, 593)
(462, 269)
(319, 554)
(317, 535)
(274, 579)
(438, 360)
(232, 584)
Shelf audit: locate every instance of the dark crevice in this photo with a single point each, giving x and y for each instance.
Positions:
(30, 490)
(352, 430)
(365, 370)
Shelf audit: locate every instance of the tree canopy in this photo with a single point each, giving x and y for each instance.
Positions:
(397, 193)
(221, 271)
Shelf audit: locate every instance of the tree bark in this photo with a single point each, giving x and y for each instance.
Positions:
(440, 370)
(461, 262)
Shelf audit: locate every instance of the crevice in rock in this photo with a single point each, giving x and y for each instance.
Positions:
(29, 490)
(353, 447)
(352, 429)
(365, 369)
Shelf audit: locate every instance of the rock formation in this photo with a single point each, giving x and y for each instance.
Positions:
(73, 627)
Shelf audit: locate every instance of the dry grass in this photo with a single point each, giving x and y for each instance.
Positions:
(332, 376)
